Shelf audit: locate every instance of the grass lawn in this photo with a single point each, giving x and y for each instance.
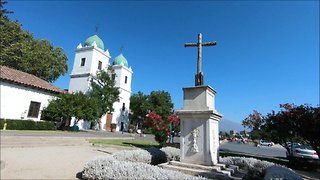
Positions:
(126, 142)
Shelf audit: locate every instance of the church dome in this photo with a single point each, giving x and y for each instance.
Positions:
(95, 39)
(120, 60)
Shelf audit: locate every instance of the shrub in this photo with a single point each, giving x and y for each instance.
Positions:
(150, 155)
(161, 136)
(110, 168)
(278, 172)
(256, 168)
(28, 125)
(138, 155)
(157, 156)
(172, 154)
(158, 126)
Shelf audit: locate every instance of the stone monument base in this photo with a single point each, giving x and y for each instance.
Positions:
(199, 140)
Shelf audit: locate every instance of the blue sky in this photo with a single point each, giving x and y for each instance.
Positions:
(267, 52)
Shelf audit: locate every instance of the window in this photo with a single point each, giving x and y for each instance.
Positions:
(34, 109)
(126, 79)
(123, 106)
(83, 61)
(100, 65)
(113, 76)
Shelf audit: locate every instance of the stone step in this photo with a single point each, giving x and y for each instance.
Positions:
(212, 172)
(198, 166)
(195, 172)
(230, 170)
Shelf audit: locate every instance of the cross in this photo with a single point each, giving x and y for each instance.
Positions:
(121, 48)
(199, 75)
(97, 28)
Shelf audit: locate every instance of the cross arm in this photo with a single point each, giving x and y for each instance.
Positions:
(209, 44)
(191, 45)
(203, 44)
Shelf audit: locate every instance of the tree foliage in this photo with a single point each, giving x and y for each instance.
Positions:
(59, 108)
(300, 123)
(103, 91)
(65, 106)
(161, 103)
(253, 121)
(158, 101)
(3, 11)
(295, 122)
(174, 122)
(140, 107)
(21, 51)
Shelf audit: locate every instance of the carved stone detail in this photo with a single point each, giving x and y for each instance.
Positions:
(195, 135)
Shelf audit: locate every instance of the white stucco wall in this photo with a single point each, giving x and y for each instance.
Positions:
(15, 100)
(79, 84)
(93, 55)
(77, 68)
(97, 56)
(121, 73)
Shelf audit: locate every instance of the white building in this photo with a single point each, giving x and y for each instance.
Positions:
(23, 96)
(91, 58)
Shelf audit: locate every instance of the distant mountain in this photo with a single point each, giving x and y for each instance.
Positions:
(227, 125)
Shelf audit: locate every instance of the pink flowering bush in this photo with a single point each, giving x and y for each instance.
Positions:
(160, 126)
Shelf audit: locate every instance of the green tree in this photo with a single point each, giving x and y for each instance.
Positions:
(158, 101)
(59, 108)
(300, 123)
(19, 50)
(81, 106)
(161, 103)
(103, 91)
(76, 105)
(140, 107)
(254, 121)
(4, 12)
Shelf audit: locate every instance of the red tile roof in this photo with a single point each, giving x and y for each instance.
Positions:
(19, 77)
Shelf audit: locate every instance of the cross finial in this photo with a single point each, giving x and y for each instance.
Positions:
(97, 28)
(121, 48)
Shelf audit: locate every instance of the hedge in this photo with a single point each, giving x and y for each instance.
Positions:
(27, 125)
(257, 169)
(151, 155)
(107, 167)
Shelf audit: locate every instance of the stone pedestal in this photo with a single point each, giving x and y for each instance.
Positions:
(199, 139)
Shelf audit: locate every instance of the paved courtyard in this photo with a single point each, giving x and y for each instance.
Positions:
(61, 155)
(33, 155)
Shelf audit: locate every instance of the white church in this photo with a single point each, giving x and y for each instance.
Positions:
(91, 58)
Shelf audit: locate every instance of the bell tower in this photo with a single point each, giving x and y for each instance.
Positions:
(123, 77)
(89, 59)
